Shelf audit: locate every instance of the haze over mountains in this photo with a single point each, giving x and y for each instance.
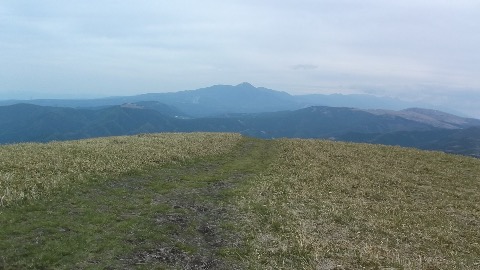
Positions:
(252, 111)
(242, 98)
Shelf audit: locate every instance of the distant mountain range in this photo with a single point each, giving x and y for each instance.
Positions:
(224, 99)
(256, 112)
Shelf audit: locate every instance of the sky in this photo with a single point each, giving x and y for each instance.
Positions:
(419, 50)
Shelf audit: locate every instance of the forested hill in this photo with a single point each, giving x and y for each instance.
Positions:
(424, 129)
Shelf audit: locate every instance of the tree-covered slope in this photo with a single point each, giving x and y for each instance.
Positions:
(424, 129)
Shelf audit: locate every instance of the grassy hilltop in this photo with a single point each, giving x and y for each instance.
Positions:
(223, 201)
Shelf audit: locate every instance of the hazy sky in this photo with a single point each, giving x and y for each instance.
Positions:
(412, 49)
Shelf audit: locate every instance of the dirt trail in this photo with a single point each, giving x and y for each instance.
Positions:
(200, 221)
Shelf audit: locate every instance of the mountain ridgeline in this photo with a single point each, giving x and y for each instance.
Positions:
(256, 112)
(243, 98)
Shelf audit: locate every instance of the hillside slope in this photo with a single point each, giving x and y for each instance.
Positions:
(253, 204)
(32, 123)
(420, 128)
(456, 141)
(434, 118)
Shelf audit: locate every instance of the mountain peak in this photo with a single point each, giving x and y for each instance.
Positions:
(246, 85)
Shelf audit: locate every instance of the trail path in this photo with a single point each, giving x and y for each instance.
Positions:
(200, 221)
(175, 217)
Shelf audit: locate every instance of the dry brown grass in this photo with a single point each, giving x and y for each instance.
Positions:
(329, 205)
(32, 170)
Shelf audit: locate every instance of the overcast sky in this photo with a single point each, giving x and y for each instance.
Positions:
(411, 49)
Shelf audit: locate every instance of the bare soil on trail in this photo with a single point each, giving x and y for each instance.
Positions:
(200, 220)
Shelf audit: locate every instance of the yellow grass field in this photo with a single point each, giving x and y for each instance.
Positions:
(32, 170)
(324, 204)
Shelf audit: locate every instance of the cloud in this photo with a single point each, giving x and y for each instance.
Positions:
(109, 47)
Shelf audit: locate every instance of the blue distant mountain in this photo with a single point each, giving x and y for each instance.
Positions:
(226, 99)
(252, 111)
